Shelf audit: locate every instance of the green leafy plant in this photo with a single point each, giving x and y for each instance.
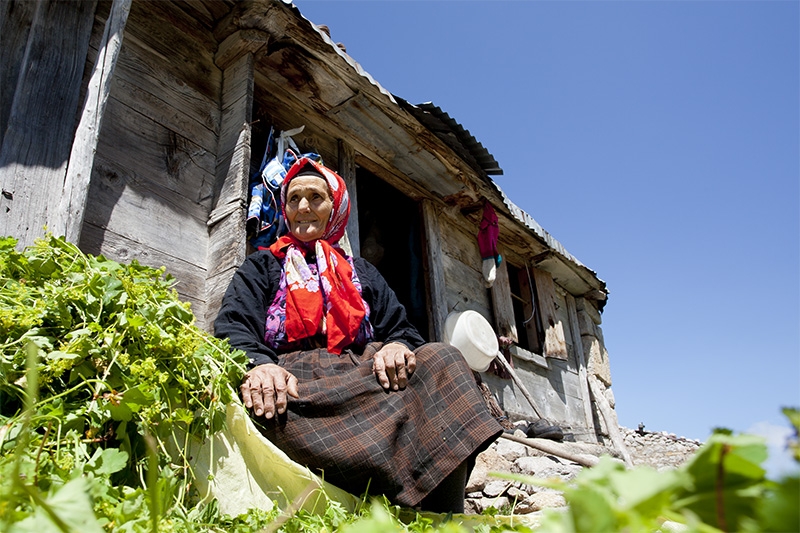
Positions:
(721, 488)
(104, 379)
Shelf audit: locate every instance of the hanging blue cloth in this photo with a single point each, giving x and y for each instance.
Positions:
(265, 222)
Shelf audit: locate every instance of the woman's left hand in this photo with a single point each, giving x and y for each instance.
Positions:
(393, 364)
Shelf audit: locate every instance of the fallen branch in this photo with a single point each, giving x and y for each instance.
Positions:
(611, 420)
(553, 448)
(518, 381)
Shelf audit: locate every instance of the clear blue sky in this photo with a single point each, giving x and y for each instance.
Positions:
(659, 142)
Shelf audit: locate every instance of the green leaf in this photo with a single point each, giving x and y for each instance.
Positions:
(108, 461)
(645, 490)
(183, 415)
(591, 510)
(778, 510)
(69, 509)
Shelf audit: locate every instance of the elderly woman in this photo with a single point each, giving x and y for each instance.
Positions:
(339, 378)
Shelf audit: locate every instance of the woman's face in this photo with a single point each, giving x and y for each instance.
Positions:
(308, 207)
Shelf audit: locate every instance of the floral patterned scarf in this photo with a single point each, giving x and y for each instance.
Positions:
(326, 301)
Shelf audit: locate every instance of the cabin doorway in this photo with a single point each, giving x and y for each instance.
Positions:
(390, 235)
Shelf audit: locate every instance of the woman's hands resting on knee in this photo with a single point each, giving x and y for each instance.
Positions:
(393, 365)
(264, 389)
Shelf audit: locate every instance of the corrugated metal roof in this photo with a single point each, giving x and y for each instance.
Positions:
(455, 136)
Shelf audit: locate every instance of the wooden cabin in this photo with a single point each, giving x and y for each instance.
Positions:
(133, 127)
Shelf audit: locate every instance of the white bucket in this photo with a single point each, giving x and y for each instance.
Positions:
(473, 336)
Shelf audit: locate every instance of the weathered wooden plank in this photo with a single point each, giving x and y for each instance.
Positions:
(155, 154)
(187, 47)
(373, 130)
(148, 84)
(204, 11)
(227, 241)
(612, 424)
(562, 316)
(501, 301)
(464, 288)
(239, 43)
(555, 344)
(460, 245)
(69, 218)
(122, 201)
(96, 240)
(435, 270)
(577, 344)
(41, 118)
(16, 18)
(347, 170)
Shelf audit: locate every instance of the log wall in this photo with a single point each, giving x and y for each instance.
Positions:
(153, 180)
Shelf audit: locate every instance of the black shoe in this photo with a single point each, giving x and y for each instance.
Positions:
(542, 429)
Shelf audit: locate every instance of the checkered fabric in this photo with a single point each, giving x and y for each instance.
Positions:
(399, 443)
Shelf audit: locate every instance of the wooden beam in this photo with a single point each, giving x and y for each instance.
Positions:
(555, 344)
(239, 43)
(347, 170)
(436, 280)
(580, 357)
(554, 448)
(611, 419)
(501, 301)
(72, 206)
(227, 246)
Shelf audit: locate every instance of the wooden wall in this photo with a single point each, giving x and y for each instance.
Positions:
(153, 181)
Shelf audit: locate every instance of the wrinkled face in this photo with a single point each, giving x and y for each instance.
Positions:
(308, 207)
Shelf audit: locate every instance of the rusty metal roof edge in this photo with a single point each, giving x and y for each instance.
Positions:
(352, 62)
(473, 145)
(554, 245)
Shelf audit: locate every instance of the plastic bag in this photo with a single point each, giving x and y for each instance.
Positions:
(241, 469)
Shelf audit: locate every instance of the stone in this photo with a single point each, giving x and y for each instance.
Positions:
(487, 461)
(498, 503)
(659, 450)
(510, 450)
(609, 394)
(494, 489)
(545, 500)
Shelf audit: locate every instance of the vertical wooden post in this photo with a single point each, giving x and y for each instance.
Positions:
(347, 170)
(438, 295)
(503, 307)
(555, 345)
(580, 357)
(611, 419)
(69, 217)
(227, 245)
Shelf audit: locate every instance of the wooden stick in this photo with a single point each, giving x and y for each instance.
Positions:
(611, 420)
(553, 448)
(500, 357)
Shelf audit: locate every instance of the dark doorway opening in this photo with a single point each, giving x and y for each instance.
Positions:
(390, 233)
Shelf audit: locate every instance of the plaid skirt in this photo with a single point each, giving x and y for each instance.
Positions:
(360, 437)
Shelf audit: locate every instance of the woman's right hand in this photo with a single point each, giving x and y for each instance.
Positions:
(264, 389)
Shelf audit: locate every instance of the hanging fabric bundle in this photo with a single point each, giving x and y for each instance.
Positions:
(264, 222)
(487, 244)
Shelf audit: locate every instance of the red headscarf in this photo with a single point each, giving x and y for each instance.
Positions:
(329, 302)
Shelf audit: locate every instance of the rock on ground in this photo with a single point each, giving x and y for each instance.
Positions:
(659, 450)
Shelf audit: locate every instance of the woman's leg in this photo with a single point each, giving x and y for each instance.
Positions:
(448, 496)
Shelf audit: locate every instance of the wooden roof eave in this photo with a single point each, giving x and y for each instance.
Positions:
(337, 87)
